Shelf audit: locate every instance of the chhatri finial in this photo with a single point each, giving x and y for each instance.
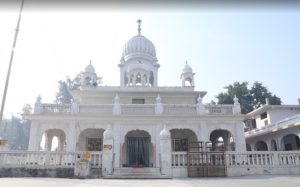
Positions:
(186, 62)
(90, 61)
(139, 26)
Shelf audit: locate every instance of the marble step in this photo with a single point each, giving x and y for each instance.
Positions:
(137, 173)
(137, 170)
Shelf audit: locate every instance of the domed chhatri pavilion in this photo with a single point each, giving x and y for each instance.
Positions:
(138, 124)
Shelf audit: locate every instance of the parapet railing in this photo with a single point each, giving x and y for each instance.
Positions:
(48, 158)
(263, 158)
(147, 109)
(179, 159)
(56, 108)
(241, 159)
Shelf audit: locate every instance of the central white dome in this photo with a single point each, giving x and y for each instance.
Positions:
(139, 46)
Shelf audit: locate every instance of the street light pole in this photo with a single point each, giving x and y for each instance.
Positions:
(9, 68)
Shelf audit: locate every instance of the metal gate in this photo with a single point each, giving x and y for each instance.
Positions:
(204, 161)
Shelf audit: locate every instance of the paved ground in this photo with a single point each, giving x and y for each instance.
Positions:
(253, 181)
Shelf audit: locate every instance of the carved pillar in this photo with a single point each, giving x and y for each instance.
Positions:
(71, 137)
(74, 106)
(236, 106)
(165, 152)
(128, 79)
(239, 139)
(200, 106)
(38, 106)
(158, 107)
(107, 158)
(134, 79)
(47, 142)
(204, 136)
(148, 79)
(35, 137)
(116, 106)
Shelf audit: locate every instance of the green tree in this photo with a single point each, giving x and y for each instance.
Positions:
(75, 82)
(241, 91)
(260, 93)
(27, 109)
(248, 98)
(63, 95)
(17, 133)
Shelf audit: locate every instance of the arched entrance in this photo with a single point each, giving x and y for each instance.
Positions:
(181, 137)
(261, 146)
(222, 140)
(290, 142)
(138, 149)
(53, 140)
(90, 140)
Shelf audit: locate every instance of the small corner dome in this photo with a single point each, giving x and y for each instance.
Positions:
(89, 68)
(187, 69)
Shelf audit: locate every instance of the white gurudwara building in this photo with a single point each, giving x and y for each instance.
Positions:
(137, 124)
(142, 130)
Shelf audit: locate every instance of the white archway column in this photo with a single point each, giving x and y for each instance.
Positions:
(204, 136)
(50, 139)
(280, 145)
(122, 77)
(35, 137)
(117, 146)
(47, 142)
(61, 143)
(165, 152)
(239, 138)
(107, 157)
(71, 138)
(155, 78)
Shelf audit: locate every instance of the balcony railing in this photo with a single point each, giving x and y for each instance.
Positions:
(56, 108)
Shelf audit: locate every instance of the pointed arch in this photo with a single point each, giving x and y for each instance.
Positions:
(222, 140)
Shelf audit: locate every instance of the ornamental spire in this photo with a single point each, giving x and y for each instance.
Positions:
(139, 21)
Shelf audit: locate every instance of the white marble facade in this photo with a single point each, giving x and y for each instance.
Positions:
(108, 115)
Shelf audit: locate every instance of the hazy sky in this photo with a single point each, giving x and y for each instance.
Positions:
(222, 46)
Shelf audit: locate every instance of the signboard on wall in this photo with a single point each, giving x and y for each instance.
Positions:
(107, 147)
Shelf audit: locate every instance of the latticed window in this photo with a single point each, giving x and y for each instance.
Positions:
(138, 101)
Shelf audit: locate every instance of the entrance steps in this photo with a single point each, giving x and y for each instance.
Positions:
(136, 173)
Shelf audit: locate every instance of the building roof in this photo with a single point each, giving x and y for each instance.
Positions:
(265, 108)
(285, 123)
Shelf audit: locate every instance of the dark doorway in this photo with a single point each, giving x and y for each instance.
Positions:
(138, 151)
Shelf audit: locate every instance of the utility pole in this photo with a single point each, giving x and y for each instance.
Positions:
(9, 68)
